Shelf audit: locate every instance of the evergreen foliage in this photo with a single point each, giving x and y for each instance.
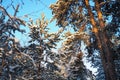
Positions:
(96, 25)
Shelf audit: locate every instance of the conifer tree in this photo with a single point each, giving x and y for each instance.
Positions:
(91, 16)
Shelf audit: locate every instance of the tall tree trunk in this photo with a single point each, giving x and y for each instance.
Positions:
(105, 51)
(110, 68)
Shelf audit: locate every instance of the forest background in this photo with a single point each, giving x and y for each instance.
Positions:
(60, 40)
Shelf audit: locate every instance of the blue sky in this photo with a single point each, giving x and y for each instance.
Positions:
(32, 8)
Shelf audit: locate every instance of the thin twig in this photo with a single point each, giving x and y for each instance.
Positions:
(26, 56)
(6, 13)
(16, 10)
(29, 58)
(83, 26)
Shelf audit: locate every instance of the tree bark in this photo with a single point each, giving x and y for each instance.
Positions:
(109, 66)
(102, 41)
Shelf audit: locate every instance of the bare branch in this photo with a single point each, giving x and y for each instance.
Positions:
(16, 10)
(83, 26)
(6, 13)
(26, 56)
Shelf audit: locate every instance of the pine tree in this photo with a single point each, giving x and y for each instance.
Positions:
(40, 49)
(9, 44)
(72, 57)
(84, 15)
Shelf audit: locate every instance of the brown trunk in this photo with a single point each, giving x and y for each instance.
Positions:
(109, 66)
(106, 53)
(107, 58)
